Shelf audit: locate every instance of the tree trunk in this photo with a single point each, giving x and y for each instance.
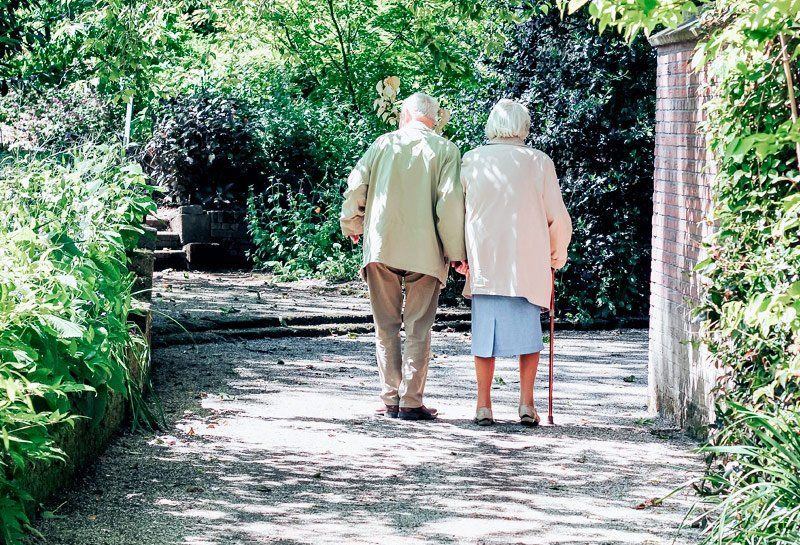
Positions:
(787, 68)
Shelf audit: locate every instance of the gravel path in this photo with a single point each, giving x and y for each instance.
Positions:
(275, 441)
(197, 301)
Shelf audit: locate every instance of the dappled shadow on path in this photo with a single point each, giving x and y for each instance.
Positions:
(275, 442)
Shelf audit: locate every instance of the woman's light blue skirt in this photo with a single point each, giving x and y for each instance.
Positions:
(505, 326)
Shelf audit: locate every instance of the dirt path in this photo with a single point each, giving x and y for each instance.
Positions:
(274, 441)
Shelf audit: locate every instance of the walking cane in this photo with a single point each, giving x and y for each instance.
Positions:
(552, 343)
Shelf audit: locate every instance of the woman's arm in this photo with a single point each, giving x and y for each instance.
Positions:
(559, 223)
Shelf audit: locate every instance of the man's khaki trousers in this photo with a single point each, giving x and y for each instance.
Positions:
(403, 372)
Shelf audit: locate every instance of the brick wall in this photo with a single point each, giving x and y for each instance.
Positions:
(679, 375)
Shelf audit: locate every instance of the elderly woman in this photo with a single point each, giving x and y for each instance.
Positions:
(517, 229)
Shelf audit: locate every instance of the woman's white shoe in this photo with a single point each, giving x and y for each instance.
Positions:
(528, 415)
(483, 416)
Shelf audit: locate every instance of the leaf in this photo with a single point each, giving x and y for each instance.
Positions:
(647, 504)
(575, 5)
(65, 328)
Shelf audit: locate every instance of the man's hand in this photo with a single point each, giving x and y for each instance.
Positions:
(461, 267)
(355, 238)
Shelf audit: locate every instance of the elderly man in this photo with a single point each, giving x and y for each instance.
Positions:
(405, 198)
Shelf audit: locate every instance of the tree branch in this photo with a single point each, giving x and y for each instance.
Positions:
(345, 58)
(787, 68)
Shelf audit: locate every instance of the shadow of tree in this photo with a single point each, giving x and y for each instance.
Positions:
(291, 453)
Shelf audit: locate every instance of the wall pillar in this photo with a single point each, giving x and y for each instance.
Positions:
(680, 376)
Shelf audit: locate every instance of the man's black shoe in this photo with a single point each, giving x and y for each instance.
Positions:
(417, 413)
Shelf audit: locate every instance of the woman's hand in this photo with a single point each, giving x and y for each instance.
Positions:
(461, 267)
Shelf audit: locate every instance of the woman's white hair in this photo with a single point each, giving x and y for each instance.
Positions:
(420, 104)
(508, 119)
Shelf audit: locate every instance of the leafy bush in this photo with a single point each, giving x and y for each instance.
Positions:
(760, 485)
(203, 152)
(294, 222)
(66, 223)
(56, 119)
(751, 305)
(592, 103)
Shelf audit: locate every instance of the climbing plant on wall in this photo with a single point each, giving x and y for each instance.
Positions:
(751, 304)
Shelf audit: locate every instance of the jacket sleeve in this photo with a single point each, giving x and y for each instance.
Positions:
(559, 223)
(354, 206)
(450, 207)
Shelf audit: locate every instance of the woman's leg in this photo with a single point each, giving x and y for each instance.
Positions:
(528, 365)
(484, 372)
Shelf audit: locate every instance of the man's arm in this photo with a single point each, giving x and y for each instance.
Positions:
(559, 223)
(354, 206)
(450, 207)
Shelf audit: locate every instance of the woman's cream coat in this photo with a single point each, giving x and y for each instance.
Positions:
(517, 227)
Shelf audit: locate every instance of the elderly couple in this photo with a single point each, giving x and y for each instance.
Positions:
(497, 216)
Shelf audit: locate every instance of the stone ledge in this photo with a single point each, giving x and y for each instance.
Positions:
(687, 32)
(84, 442)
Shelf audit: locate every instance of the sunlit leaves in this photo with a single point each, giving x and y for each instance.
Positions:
(64, 300)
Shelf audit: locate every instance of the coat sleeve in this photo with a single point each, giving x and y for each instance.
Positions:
(354, 206)
(559, 223)
(450, 207)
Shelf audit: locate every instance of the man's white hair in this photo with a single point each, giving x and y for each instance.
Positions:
(508, 119)
(420, 104)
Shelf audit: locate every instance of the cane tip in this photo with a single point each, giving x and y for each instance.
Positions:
(550, 420)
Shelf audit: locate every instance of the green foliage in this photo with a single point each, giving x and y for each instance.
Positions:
(120, 47)
(762, 484)
(592, 102)
(55, 119)
(751, 299)
(66, 223)
(632, 18)
(294, 238)
(203, 151)
(18, 35)
(294, 221)
(345, 47)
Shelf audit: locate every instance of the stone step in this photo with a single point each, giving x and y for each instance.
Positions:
(168, 240)
(161, 224)
(147, 240)
(170, 259)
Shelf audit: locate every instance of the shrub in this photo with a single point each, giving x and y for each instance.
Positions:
(56, 119)
(294, 222)
(751, 303)
(66, 223)
(758, 492)
(203, 151)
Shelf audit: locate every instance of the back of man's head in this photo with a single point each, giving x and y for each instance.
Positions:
(420, 106)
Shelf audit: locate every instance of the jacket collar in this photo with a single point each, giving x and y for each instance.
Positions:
(419, 125)
(511, 140)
